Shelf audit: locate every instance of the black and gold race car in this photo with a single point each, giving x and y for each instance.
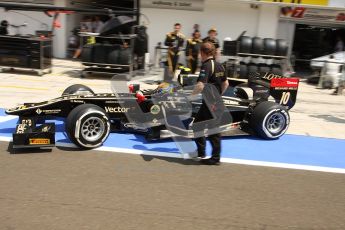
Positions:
(90, 117)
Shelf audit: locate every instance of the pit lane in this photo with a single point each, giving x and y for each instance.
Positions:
(65, 189)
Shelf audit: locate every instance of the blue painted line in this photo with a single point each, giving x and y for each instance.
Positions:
(2, 112)
(289, 149)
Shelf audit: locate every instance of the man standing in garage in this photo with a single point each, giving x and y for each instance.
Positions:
(212, 37)
(193, 51)
(212, 83)
(174, 40)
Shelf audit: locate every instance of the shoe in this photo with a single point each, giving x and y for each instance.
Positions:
(201, 155)
(193, 155)
(210, 161)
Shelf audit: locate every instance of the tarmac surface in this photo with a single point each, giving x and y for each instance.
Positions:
(69, 189)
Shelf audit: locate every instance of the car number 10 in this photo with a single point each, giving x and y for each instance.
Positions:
(285, 98)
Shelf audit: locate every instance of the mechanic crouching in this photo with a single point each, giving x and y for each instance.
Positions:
(212, 83)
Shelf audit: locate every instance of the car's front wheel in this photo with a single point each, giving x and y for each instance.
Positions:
(78, 89)
(88, 126)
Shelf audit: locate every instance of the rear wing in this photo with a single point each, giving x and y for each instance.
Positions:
(282, 89)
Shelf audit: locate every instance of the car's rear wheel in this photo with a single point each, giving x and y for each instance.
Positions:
(270, 120)
(78, 89)
(88, 126)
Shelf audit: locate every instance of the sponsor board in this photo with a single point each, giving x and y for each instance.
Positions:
(285, 82)
(48, 111)
(308, 14)
(39, 141)
(78, 101)
(193, 5)
(270, 76)
(305, 2)
(118, 109)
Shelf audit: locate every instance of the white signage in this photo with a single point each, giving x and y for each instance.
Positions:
(323, 15)
(194, 5)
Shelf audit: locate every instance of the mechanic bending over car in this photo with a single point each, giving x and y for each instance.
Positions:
(212, 83)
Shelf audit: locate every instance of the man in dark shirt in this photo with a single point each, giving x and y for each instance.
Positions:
(212, 37)
(212, 83)
(174, 40)
(193, 51)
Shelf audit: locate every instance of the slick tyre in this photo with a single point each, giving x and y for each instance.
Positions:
(270, 46)
(243, 71)
(245, 44)
(88, 126)
(270, 120)
(264, 68)
(78, 89)
(124, 56)
(258, 45)
(276, 69)
(282, 47)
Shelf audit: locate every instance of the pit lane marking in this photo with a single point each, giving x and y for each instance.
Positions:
(23, 87)
(7, 118)
(36, 80)
(30, 80)
(223, 160)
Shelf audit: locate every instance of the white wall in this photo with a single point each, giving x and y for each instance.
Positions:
(286, 30)
(268, 21)
(229, 18)
(336, 3)
(35, 21)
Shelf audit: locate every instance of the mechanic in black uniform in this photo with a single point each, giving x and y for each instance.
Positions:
(193, 51)
(174, 40)
(212, 37)
(212, 78)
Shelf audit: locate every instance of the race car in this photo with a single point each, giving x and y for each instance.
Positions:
(90, 117)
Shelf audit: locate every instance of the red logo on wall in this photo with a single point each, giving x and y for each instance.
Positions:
(298, 12)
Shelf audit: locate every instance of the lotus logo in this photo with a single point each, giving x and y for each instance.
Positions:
(155, 109)
(38, 111)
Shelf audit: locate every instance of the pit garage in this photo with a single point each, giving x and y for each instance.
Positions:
(134, 180)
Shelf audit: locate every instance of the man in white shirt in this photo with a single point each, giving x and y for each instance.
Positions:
(330, 73)
(97, 25)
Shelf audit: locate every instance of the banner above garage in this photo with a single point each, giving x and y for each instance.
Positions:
(318, 15)
(194, 5)
(306, 2)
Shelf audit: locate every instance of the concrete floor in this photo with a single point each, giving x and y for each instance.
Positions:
(71, 190)
(317, 112)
